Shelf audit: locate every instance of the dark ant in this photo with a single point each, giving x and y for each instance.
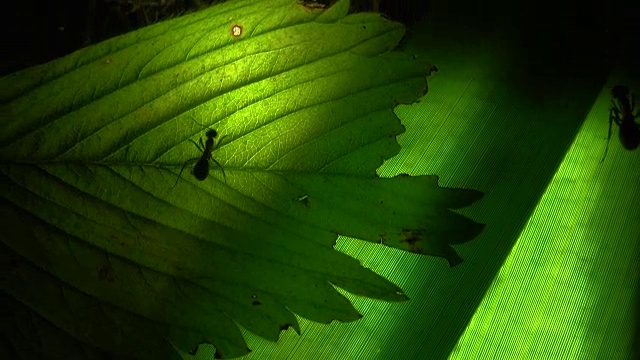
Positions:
(621, 112)
(201, 169)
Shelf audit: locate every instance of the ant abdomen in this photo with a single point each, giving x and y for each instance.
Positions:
(629, 135)
(201, 170)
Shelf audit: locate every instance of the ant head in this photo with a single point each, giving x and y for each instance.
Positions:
(212, 133)
(620, 91)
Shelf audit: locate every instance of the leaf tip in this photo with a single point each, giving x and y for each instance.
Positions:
(454, 260)
(402, 296)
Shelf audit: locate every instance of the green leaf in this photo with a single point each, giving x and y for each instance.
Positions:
(106, 251)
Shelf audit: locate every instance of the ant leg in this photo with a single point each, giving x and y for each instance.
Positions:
(200, 147)
(606, 149)
(221, 168)
(219, 142)
(633, 107)
(181, 170)
(194, 120)
(614, 114)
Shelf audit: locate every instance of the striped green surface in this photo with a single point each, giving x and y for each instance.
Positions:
(567, 289)
(554, 274)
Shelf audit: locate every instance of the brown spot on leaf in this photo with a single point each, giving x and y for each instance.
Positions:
(236, 30)
(106, 273)
(412, 238)
(117, 240)
(284, 326)
(256, 303)
(312, 5)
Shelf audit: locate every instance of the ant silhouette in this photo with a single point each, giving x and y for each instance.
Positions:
(621, 112)
(201, 169)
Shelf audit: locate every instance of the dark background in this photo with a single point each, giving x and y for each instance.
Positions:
(553, 36)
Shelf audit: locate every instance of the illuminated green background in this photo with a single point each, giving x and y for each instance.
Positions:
(555, 273)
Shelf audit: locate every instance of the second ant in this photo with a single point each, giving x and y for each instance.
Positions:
(621, 112)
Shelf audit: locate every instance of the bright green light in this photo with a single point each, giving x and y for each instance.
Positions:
(566, 291)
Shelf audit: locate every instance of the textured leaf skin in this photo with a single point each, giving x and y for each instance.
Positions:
(408, 213)
(106, 256)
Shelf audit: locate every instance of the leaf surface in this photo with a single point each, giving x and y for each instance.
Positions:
(111, 249)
